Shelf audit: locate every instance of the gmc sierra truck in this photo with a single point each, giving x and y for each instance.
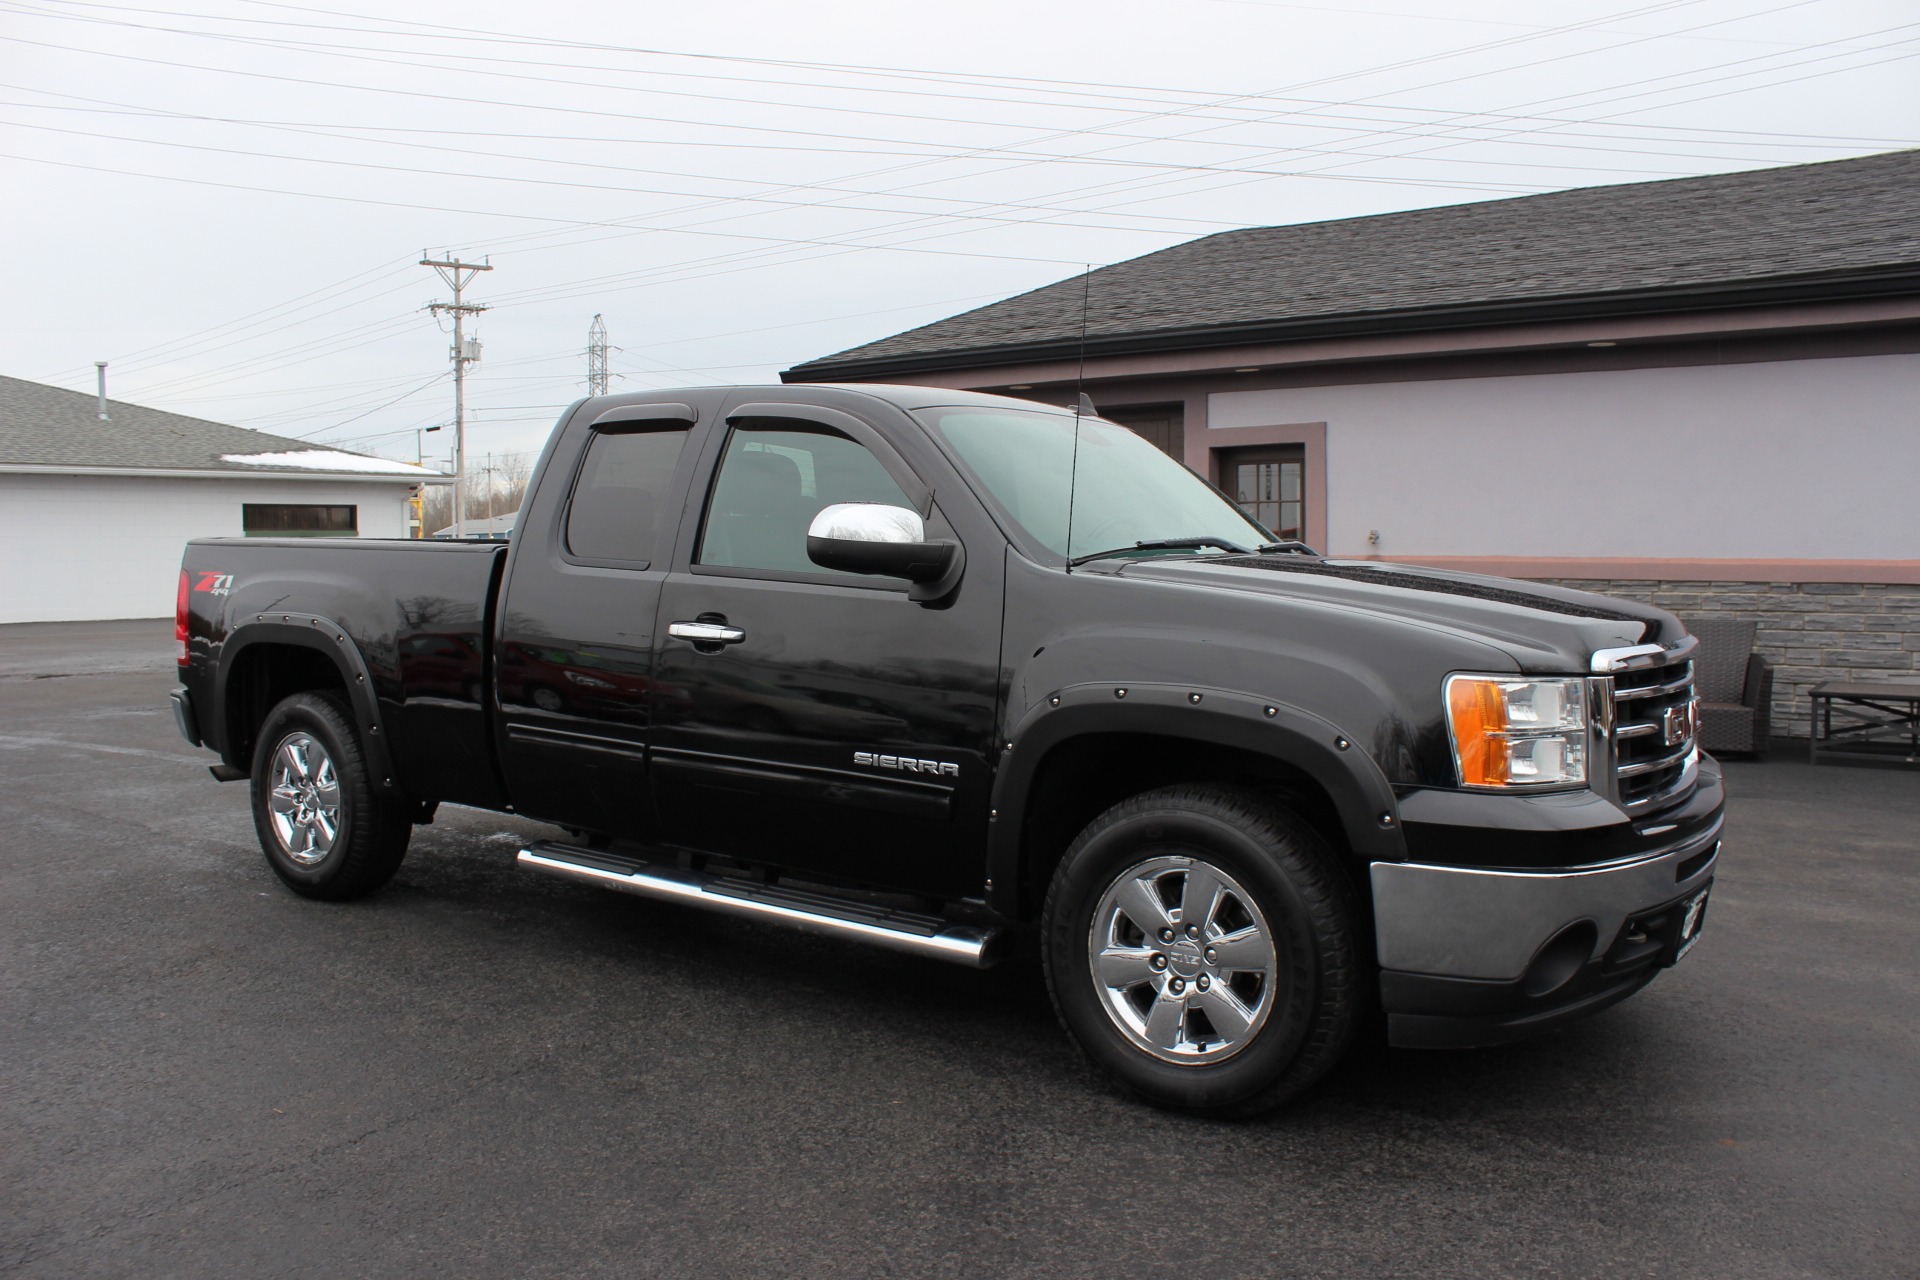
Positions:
(927, 668)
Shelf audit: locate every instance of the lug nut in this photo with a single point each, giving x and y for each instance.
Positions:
(1193, 931)
(1166, 935)
(1203, 982)
(1157, 961)
(1176, 986)
(1212, 955)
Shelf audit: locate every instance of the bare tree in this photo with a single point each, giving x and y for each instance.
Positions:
(436, 508)
(507, 480)
(512, 471)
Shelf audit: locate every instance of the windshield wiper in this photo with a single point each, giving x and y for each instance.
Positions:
(1163, 544)
(1293, 545)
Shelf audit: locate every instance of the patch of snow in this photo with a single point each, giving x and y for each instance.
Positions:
(328, 460)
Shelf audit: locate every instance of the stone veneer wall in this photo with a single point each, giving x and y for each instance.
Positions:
(1810, 631)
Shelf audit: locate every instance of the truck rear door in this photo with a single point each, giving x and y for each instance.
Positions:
(576, 630)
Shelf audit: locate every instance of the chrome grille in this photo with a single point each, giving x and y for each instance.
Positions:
(1654, 721)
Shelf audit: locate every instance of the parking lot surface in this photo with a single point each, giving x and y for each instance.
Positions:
(484, 1073)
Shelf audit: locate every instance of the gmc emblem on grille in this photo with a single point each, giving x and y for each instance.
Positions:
(1677, 724)
(907, 764)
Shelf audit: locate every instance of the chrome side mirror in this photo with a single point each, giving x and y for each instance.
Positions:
(867, 522)
(872, 537)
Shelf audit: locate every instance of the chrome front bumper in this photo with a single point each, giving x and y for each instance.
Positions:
(1464, 922)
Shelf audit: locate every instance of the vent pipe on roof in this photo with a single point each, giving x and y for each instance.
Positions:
(101, 365)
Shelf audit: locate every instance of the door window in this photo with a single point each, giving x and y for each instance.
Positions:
(624, 493)
(773, 480)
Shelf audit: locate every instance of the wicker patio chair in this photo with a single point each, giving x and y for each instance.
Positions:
(1735, 686)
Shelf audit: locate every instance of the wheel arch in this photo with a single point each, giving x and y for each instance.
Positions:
(263, 662)
(1083, 749)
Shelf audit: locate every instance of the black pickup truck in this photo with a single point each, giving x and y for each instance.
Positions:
(928, 668)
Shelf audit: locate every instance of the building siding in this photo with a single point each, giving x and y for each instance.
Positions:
(83, 548)
(1803, 459)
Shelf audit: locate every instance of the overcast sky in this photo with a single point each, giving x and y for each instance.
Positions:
(228, 200)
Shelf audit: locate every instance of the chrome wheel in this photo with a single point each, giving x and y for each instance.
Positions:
(1182, 959)
(304, 799)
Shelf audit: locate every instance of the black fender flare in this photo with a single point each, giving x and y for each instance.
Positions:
(323, 635)
(1362, 796)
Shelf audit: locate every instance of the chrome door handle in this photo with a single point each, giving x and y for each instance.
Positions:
(706, 632)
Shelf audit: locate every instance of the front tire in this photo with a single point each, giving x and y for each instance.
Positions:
(1202, 946)
(325, 830)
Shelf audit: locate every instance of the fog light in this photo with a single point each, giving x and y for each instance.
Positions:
(1556, 963)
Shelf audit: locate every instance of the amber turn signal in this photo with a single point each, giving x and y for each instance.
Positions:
(1510, 732)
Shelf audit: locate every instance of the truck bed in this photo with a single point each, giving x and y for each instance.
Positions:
(419, 615)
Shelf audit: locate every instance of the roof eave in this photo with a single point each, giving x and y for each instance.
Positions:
(183, 473)
(1835, 286)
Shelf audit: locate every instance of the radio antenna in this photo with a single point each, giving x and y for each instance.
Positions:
(1082, 407)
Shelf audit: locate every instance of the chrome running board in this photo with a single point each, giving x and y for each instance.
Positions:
(907, 931)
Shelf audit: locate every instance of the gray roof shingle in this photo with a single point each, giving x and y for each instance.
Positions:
(1829, 219)
(49, 426)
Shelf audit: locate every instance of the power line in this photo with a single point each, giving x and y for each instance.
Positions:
(788, 249)
(1190, 110)
(1109, 186)
(408, 393)
(1309, 172)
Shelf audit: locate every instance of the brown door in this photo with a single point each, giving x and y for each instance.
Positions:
(1269, 484)
(1159, 425)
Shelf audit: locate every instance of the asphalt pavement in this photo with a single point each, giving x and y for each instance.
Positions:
(484, 1073)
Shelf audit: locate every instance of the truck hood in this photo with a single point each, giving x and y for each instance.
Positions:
(1545, 629)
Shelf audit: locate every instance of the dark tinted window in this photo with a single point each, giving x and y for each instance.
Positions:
(623, 498)
(773, 482)
(298, 520)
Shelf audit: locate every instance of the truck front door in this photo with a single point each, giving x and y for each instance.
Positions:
(826, 724)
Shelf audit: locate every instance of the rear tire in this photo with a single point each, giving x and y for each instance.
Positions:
(1202, 945)
(326, 831)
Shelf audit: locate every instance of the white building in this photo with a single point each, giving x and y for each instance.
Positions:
(94, 513)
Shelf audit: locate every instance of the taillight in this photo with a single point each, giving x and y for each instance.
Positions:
(180, 619)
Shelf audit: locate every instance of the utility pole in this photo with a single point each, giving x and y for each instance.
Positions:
(597, 357)
(457, 273)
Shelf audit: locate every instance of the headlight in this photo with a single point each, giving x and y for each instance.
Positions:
(1518, 733)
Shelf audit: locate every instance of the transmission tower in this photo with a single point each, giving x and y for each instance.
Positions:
(597, 357)
(457, 273)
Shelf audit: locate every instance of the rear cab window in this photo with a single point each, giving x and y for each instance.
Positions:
(623, 500)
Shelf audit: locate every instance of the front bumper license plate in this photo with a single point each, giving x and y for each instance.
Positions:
(1693, 915)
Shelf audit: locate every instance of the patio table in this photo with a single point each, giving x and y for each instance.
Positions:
(1867, 709)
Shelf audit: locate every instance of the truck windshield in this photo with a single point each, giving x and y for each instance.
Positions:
(1126, 491)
